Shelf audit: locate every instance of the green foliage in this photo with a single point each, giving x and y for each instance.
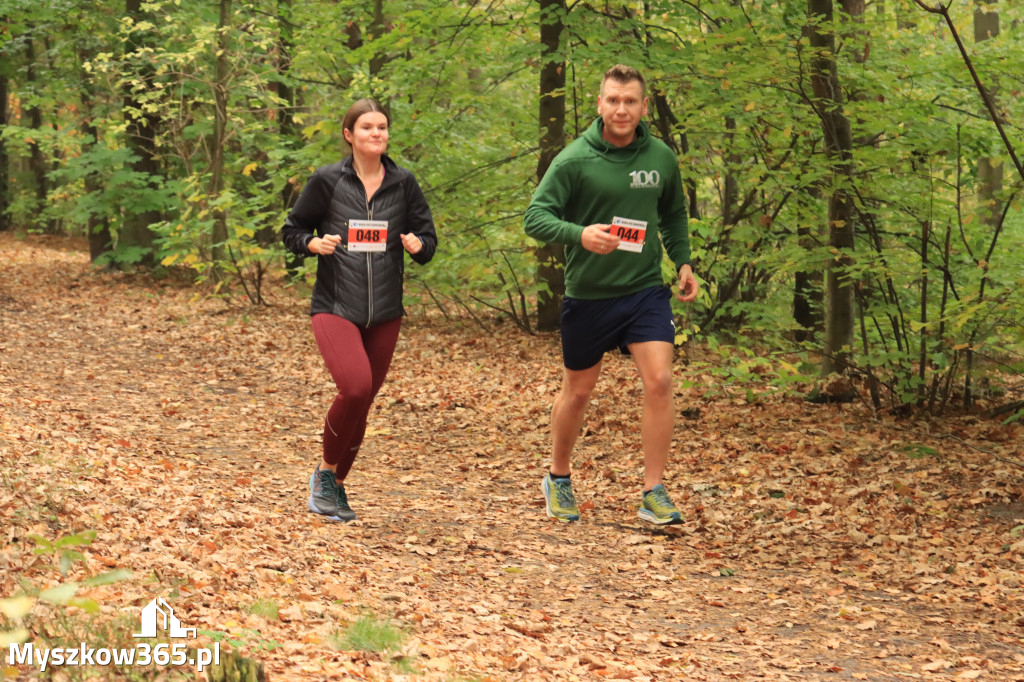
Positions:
(919, 451)
(267, 608)
(368, 633)
(938, 279)
(754, 374)
(242, 637)
(64, 548)
(1015, 417)
(57, 610)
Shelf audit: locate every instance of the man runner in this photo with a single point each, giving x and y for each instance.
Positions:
(606, 197)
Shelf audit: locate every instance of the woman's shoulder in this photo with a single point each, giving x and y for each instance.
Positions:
(400, 172)
(327, 176)
(332, 170)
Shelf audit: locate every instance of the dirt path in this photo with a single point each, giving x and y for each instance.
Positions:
(821, 543)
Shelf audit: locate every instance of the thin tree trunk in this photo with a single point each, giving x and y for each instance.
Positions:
(994, 114)
(905, 17)
(37, 163)
(140, 129)
(220, 117)
(286, 115)
(990, 175)
(377, 29)
(923, 359)
(730, 189)
(946, 258)
(666, 121)
(668, 125)
(840, 320)
(5, 177)
(100, 240)
(807, 292)
(551, 257)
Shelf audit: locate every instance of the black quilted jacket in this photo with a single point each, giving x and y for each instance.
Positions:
(363, 287)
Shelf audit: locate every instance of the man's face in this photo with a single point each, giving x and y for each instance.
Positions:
(621, 106)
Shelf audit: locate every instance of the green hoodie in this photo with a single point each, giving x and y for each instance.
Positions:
(592, 181)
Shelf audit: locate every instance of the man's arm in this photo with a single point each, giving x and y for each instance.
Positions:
(543, 220)
(689, 287)
(672, 214)
(675, 232)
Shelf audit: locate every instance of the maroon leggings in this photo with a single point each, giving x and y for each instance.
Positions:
(358, 359)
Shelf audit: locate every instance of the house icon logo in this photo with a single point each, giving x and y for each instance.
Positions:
(159, 612)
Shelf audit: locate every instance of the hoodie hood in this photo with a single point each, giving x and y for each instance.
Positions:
(607, 150)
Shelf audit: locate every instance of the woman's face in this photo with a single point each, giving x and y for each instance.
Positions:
(369, 134)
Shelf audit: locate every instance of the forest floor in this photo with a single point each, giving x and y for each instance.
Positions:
(820, 542)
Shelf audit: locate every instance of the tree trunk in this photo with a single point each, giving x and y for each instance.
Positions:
(140, 129)
(730, 185)
(807, 291)
(5, 177)
(840, 323)
(551, 257)
(990, 175)
(220, 118)
(855, 8)
(905, 16)
(377, 30)
(666, 121)
(37, 163)
(100, 241)
(286, 115)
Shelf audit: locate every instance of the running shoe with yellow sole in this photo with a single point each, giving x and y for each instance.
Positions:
(561, 503)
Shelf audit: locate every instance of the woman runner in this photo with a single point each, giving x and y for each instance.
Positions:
(359, 216)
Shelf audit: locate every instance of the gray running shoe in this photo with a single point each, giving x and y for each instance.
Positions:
(345, 512)
(323, 494)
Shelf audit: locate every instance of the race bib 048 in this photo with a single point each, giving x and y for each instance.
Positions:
(367, 235)
(631, 233)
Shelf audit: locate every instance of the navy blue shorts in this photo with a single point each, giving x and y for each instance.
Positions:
(590, 328)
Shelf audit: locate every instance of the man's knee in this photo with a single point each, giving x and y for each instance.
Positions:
(658, 386)
(576, 391)
(576, 397)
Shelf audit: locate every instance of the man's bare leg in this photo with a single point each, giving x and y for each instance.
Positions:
(567, 415)
(654, 361)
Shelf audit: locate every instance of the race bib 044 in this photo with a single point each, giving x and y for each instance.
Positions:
(367, 235)
(631, 233)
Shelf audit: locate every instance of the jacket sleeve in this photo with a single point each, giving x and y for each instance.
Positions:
(305, 219)
(419, 220)
(544, 216)
(672, 215)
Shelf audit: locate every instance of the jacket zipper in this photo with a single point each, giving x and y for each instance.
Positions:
(369, 267)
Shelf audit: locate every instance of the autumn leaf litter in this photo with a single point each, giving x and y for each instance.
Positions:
(820, 542)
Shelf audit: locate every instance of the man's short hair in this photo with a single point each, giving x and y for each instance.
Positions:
(625, 74)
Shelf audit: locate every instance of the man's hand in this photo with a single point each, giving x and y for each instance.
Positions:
(688, 286)
(324, 246)
(598, 239)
